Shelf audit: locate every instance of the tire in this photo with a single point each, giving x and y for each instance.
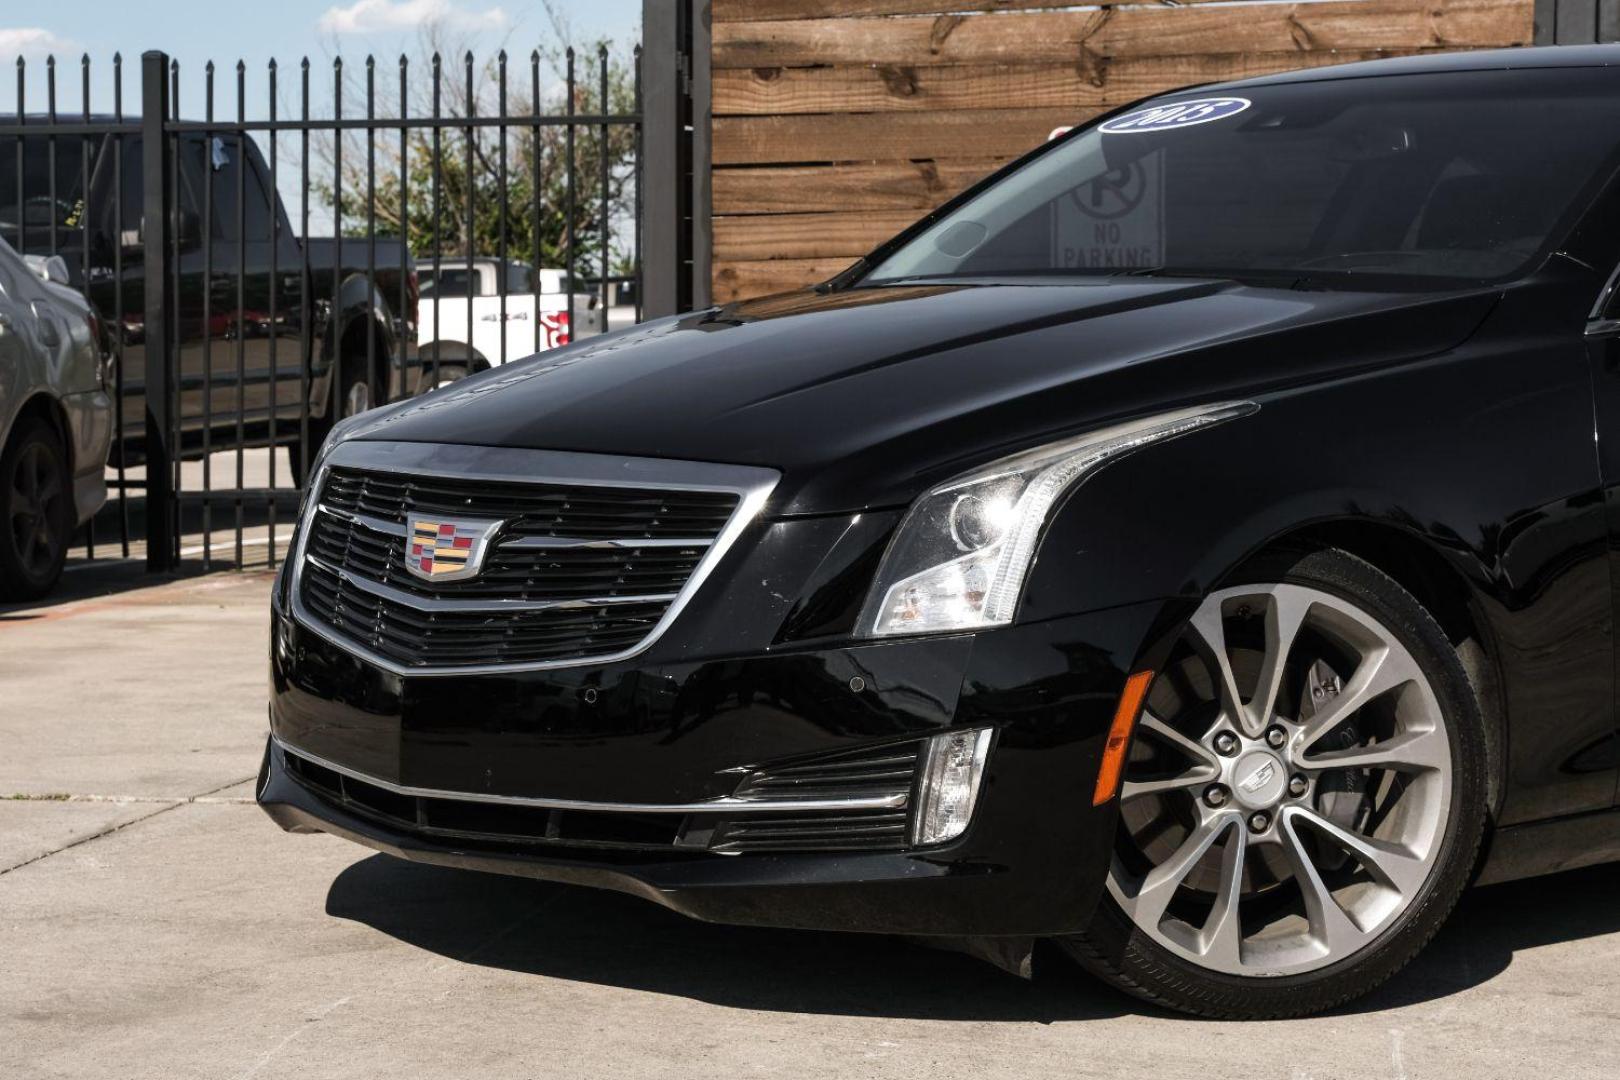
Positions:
(36, 511)
(355, 396)
(448, 374)
(1262, 951)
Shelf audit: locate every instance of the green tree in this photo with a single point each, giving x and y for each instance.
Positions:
(529, 156)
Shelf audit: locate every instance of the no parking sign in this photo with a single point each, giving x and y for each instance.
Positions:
(1115, 220)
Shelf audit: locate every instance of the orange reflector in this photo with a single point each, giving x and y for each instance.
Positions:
(1119, 737)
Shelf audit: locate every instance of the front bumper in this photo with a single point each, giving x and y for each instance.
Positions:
(647, 731)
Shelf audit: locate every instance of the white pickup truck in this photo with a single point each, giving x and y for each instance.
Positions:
(531, 317)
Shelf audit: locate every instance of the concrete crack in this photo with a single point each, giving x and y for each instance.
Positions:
(167, 805)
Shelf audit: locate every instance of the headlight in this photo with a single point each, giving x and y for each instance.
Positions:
(959, 558)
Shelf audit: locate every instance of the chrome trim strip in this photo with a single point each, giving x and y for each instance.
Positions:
(375, 524)
(722, 805)
(527, 543)
(752, 486)
(549, 543)
(433, 604)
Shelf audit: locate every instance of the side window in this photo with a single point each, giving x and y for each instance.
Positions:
(193, 173)
(225, 166)
(118, 209)
(519, 278)
(123, 215)
(453, 281)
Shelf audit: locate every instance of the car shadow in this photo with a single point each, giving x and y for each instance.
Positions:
(590, 936)
(607, 938)
(84, 581)
(1491, 924)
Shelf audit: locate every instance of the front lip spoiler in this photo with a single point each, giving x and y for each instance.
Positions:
(725, 805)
(884, 892)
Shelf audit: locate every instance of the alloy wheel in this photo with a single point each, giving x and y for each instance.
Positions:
(37, 493)
(1288, 789)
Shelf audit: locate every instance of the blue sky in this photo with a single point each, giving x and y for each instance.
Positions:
(195, 31)
(198, 30)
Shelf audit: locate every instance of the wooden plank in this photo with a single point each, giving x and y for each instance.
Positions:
(883, 185)
(1060, 37)
(904, 88)
(806, 236)
(750, 10)
(740, 280)
(754, 140)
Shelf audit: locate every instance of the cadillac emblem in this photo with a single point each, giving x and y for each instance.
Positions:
(446, 549)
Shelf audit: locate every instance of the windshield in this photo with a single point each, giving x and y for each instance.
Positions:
(1416, 181)
(34, 200)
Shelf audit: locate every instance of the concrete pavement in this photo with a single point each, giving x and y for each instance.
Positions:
(153, 923)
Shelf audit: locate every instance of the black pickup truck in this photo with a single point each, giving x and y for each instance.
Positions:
(251, 298)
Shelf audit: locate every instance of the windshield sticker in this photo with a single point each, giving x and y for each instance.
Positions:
(1180, 114)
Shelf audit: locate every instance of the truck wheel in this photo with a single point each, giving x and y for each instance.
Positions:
(36, 511)
(448, 374)
(354, 399)
(357, 393)
(1303, 801)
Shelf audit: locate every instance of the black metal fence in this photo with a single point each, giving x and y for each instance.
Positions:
(473, 213)
(1577, 22)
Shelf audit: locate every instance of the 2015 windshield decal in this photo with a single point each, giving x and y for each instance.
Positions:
(1178, 114)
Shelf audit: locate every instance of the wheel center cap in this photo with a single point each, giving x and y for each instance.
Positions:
(1258, 779)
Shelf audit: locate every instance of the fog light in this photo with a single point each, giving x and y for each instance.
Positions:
(952, 767)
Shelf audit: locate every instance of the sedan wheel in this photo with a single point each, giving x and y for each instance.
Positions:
(36, 512)
(1302, 802)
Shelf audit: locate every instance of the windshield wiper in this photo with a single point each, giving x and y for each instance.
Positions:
(844, 277)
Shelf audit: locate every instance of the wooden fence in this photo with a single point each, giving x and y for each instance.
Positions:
(838, 122)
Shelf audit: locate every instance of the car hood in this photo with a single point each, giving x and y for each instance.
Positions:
(864, 396)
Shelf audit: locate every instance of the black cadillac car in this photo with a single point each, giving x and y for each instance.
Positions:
(1195, 544)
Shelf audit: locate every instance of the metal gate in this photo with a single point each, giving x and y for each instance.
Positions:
(473, 212)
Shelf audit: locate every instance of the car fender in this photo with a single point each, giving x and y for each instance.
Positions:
(1478, 461)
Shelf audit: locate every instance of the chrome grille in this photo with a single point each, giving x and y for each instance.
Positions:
(869, 830)
(575, 571)
(535, 510)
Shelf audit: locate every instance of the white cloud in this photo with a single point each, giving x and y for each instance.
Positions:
(34, 41)
(381, 16)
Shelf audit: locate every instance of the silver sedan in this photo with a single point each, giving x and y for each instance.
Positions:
(55, 421)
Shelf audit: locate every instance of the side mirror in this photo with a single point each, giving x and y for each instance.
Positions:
(53, 268)
(187, 226)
